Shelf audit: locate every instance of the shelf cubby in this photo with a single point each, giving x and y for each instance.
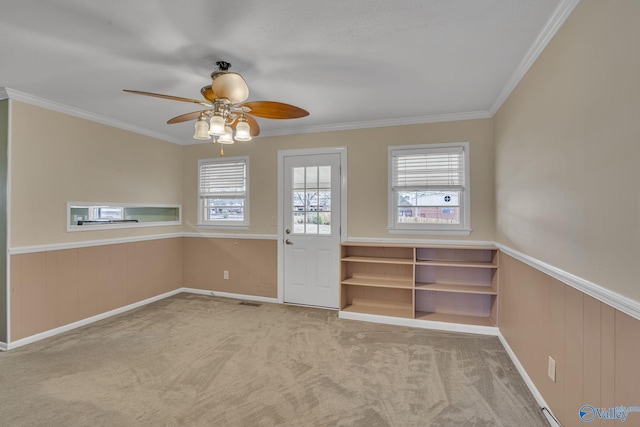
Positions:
(377, 300)
(468, 308)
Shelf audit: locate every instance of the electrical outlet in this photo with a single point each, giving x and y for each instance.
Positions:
(551, 369)
(226, 275)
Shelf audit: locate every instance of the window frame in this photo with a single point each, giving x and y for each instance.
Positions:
(462, 229)
(223, 224)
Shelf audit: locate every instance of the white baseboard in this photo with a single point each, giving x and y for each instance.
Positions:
(416, 323)
(229, 295)
(92, 319)
(88, 320)
(553, 421)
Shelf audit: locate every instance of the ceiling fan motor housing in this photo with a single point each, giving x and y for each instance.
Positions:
(226, 84)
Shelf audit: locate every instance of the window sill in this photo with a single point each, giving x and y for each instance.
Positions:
(224, 227)
(422, 231)
(112, 226)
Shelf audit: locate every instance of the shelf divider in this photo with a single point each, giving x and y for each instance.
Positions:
(381, 282)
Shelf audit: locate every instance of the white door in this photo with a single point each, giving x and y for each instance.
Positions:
(311, 229)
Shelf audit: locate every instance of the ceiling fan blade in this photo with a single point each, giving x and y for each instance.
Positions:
(187, 117)
(253, 125)
(173, 98)
(274, 110)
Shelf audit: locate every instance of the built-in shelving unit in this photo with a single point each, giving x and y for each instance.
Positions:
(441, 283)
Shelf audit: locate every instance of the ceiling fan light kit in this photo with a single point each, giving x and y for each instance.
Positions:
(225, 112)
(202, 128)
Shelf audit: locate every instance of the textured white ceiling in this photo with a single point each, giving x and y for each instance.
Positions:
(350, 63)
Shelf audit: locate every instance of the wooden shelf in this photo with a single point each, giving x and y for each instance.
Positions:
(380, 282)
(376, 260)
(455, 318)
(380, 310)
(464, 264)
(456, 287)
(391, 279)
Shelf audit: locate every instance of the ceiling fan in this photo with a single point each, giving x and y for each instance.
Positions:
(227, 118)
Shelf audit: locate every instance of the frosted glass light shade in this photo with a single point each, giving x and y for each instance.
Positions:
(227, 137)
(243, 131)
(201, 129)
(217, 125)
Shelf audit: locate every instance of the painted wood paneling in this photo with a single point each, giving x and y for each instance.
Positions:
(68, 289)
(595, 346)
(252, 265)
(627, 371)
(592, 337)
(55, 288)
(607, 356)
(574, 356)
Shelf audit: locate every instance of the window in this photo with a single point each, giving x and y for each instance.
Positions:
(86, 216)
(429, 189)
(223, 192)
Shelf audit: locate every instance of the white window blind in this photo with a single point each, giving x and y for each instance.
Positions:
(223, 192)
(438, 168)
(223, 179)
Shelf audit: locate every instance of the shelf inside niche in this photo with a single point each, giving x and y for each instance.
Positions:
(447, 263)
(382, 282)
(378, 260)
(457, 288)
(379, 309)
(455, 318)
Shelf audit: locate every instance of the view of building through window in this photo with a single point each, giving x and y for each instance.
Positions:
(429, 207)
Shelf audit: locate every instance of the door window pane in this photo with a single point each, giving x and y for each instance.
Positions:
(298, 178)
(311, 200)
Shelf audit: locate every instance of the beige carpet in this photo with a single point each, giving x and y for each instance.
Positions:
(193, 360)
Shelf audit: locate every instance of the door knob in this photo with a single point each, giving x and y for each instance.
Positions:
(287, 231)
(288, 242)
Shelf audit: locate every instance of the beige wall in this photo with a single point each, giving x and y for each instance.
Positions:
(594, 345)
(367, 169)
(568, 150)
(56, 158)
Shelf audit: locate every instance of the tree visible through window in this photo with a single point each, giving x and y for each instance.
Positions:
(312, 200)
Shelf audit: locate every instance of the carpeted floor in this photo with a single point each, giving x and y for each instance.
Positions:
(193, 360)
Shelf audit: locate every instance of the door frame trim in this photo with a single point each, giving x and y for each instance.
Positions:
(342, 151)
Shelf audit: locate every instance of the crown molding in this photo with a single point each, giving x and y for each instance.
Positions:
(8, 93)
(436, 118)
(560, 14)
